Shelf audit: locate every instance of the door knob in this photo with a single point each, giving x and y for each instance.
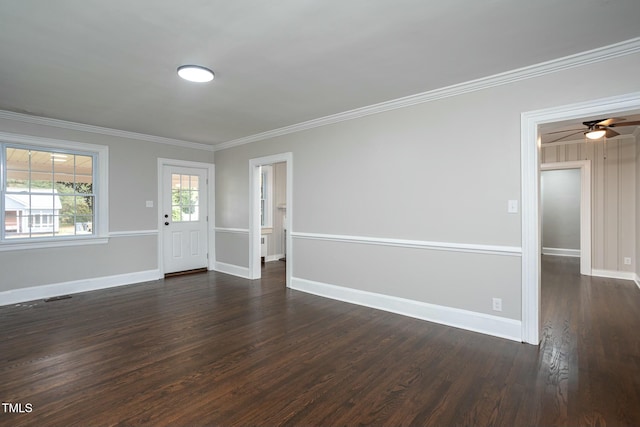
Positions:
(166, 215)
(166, 223)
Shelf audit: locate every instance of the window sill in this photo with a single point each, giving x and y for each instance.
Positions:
(58, 243)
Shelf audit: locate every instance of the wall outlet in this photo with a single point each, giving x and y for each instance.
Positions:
(497, 304)
(627, 261)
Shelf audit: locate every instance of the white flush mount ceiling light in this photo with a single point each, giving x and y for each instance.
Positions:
(195, 73)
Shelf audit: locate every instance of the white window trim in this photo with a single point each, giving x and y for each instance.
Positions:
(268, 206)
(101, 211)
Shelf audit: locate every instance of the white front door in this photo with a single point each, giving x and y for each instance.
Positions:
(184, 218)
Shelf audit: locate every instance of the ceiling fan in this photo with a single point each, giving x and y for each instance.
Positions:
(596, 129)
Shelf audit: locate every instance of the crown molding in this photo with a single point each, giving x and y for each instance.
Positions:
(605, 53)
(63, 124)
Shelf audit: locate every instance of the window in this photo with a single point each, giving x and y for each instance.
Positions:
(185, 198)
(51, 192)
(266, 192)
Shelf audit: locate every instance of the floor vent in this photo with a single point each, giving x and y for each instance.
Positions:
(58, 298)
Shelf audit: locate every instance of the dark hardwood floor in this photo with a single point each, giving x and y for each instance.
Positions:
(212, 349)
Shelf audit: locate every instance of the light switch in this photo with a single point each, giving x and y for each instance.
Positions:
(512, 207)
(149, 203)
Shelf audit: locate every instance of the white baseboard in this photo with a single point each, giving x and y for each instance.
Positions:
(234, 270)
(276, 257)
(478, 322)
(612, 274)
(16, 296)
(561, 252)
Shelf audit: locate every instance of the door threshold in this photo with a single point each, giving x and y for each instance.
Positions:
(184, 273)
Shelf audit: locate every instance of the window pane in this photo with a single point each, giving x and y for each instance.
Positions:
(41, 161)
(83, 224)
(184, 182)
(84, 174)
(185, 197)
(41, 169)
(85, 187)
(84, 165)
(194, 213)
(194, 182)
(17, 179)
(175, 181)
(84, 206)
(64, 182)
(17, 158)
(176, 214)
(66, 225)
(185, 205)
(16, 217)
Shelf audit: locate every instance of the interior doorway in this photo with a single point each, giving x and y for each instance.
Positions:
(531, 222)
(560, 174)
(271, 213)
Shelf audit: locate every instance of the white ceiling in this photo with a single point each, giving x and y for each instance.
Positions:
(277, 63)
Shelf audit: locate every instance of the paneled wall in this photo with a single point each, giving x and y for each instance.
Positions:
(613, 187)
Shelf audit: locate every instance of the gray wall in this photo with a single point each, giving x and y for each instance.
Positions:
(560, 194)
(133, 179)
(613, 198)
(440, 171)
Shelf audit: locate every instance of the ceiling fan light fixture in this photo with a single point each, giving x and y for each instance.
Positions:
(195, 73)
(596, 133)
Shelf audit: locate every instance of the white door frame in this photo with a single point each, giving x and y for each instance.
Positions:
(254, 213)
(530, 169)
(211, 242)
(585, 208)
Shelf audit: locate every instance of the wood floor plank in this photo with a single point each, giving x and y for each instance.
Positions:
(213, 349)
